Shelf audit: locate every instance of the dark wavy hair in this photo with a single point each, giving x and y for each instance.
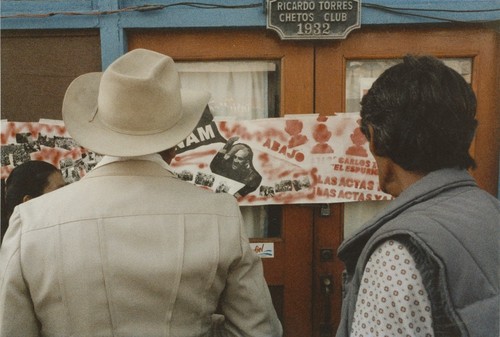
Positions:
(422, 114)
(29, 178)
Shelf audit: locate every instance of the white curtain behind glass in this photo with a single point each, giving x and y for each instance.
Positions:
(239, 91)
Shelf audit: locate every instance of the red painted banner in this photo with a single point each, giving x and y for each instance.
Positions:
(296, 159)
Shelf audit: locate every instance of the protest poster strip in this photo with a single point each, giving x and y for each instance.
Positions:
(296, 159)
(46, 140)
(299, 159)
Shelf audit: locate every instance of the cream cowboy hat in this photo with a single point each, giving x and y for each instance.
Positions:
(135, 107)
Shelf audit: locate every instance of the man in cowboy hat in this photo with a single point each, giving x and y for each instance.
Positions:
(131, 250)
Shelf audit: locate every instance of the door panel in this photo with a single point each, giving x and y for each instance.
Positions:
(289, 273)
(331, 61)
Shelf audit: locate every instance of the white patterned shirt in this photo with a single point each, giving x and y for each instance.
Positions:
(392, 300)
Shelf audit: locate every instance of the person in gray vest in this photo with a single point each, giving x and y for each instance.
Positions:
(427, 265)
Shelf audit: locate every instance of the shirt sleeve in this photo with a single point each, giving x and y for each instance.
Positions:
(392, 300)
(17, 316)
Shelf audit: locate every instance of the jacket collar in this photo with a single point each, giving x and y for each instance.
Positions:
(154, 157)
(150, 165)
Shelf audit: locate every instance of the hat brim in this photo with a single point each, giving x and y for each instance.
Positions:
(80, 103)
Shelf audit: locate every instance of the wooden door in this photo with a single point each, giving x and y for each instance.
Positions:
(313, 79)
(380, 46)
(289, 273)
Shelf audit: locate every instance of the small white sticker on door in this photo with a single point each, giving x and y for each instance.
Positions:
(263, 249)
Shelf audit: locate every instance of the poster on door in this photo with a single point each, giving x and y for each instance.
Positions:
(298, 159)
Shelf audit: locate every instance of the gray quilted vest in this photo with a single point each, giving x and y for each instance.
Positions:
(452, 229)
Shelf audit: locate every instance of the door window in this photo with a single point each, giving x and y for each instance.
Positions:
(240, 90)
(360, 74)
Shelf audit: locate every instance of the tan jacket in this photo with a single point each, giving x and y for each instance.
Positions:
(130, 250)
